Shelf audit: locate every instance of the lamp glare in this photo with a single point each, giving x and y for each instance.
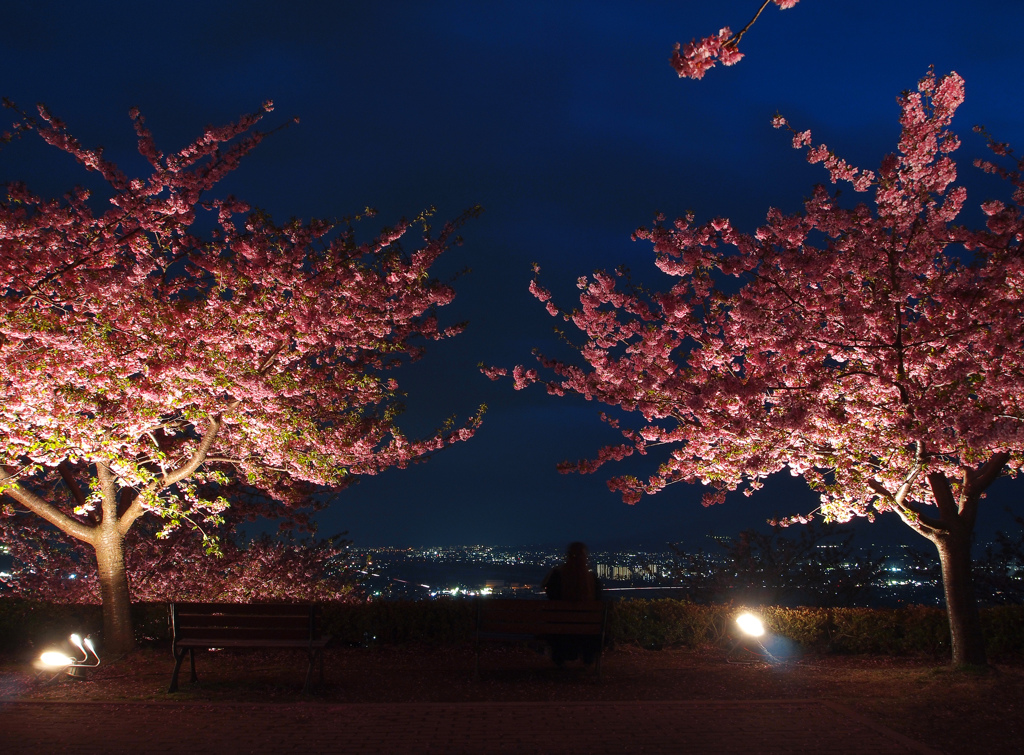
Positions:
(55, 659)
(750, 624)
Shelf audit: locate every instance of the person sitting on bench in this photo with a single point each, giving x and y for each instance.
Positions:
(573, 581)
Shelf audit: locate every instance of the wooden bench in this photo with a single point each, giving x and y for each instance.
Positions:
(198, 626)
(510, 620)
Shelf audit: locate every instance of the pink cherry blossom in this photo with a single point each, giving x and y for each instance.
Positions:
(694, 59)
(150, 372)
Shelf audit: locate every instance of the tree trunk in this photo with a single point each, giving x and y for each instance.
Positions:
(118, 633)
(962, 608)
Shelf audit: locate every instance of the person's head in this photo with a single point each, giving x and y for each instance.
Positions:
(577, 554)
(577, 581)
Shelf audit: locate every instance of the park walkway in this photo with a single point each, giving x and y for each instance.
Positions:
(750, 726)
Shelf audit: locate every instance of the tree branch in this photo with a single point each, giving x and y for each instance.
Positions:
(47, 511)
(269, 361)
(976, 482)
(235, 462)
(943, 493)
(987, 473)
(134, 511)
(910, 514)
(735, 39)
(76, 492)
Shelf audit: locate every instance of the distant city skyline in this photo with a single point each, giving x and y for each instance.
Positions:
(481, 571)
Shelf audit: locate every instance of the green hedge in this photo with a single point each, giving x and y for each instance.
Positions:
(26, 626)
(881, 631)
(916, 629)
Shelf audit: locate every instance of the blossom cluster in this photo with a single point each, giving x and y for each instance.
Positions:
(148, 369)
(693, 59)
(857, 347)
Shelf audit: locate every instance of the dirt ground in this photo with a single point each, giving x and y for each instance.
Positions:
(951, 710)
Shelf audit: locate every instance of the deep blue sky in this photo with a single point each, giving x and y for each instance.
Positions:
(566, 122)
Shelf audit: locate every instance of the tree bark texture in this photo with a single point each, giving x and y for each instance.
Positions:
(962, 607)
(118, 633)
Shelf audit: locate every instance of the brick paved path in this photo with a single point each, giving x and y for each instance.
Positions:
(784, 726)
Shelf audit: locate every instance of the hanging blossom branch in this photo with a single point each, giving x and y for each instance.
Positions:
(693, 60)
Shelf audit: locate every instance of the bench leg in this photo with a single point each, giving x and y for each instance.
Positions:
(178, 658)
(314, 656)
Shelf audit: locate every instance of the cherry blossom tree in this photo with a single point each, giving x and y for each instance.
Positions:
(875, 350)
(148, 368)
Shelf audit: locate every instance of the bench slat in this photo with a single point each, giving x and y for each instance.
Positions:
(539, 626)
(552, 614)
(243, 622)
(244, 609)
(252, 633)
(536, 618)
(540, 606)
(537, 630)
(540, 617)
(236, 642)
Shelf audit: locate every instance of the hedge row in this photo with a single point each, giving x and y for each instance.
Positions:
(26, 626)
(881, 631)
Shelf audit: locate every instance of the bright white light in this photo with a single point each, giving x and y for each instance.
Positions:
(750, 624)
(55, 659)
(77, 642)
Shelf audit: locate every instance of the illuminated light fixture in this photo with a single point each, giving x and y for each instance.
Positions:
(73, 667)
(53, 659)
(750, 624)
(753, 627)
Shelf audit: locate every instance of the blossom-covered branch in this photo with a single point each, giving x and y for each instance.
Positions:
(693, 60)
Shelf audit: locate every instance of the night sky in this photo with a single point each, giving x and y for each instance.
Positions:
(566, 122)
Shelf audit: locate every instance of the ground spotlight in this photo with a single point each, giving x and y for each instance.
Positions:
(750, 624)
(73, 667)
(755, 634)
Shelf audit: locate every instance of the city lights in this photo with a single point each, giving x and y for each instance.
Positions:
(467, 571)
